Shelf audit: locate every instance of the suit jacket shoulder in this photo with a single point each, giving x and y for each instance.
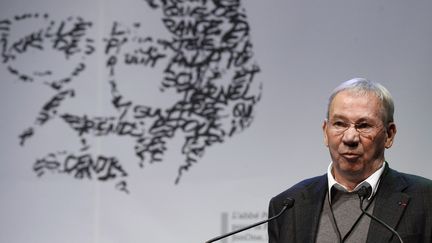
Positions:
(299, 223)
(416, 183)
(404, 202)
(300, 189)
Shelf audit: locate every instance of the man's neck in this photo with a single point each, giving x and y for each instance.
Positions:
(350, 181)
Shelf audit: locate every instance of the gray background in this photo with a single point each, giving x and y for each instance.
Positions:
(304, 48)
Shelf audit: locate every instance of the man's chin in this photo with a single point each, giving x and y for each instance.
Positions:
(351, 167)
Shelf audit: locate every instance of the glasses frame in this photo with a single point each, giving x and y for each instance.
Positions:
(364, 128)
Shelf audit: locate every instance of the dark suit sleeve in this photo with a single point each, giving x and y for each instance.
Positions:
(273, 228)
(416, 223)
(405, 203)
(295, 224)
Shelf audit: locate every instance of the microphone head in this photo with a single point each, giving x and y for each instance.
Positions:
(364, 191)
(289, 202)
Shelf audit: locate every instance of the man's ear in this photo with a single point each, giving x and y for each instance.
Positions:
(324, 128)
(391, 133)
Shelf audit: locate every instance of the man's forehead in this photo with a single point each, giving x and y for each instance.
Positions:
(364, 104)
(349, 97)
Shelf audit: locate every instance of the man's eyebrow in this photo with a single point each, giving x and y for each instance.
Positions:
(361, 119)
(337, 116)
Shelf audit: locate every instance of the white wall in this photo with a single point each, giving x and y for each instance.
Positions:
(304, 49)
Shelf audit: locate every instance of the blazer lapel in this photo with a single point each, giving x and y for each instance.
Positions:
(308, 212)
(390, 204)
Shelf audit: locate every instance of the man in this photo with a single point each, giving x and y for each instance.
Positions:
(358, 128)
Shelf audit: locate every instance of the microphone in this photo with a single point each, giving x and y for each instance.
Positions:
(365, 192)
(288, 203)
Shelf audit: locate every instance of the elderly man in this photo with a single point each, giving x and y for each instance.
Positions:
(358, 128)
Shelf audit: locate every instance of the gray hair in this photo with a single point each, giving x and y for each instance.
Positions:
(362, 86)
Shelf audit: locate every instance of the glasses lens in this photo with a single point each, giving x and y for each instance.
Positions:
(340, 126)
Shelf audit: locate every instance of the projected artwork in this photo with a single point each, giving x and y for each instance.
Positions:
(206, 70)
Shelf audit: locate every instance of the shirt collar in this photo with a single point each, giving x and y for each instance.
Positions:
(372, 181)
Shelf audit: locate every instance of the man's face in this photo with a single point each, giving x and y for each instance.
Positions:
(356, 136)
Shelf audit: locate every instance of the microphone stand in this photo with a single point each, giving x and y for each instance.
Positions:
(362, 193)
(289, 202)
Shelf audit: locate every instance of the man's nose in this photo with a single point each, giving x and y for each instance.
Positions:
(351, 137)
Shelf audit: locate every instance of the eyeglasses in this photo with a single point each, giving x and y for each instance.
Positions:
(364, 128)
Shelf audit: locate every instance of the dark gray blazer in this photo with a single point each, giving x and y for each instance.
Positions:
(403, 201)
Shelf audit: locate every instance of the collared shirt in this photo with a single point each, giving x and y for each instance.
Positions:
(372, 181)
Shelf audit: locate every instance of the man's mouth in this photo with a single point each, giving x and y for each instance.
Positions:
(350, 156)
